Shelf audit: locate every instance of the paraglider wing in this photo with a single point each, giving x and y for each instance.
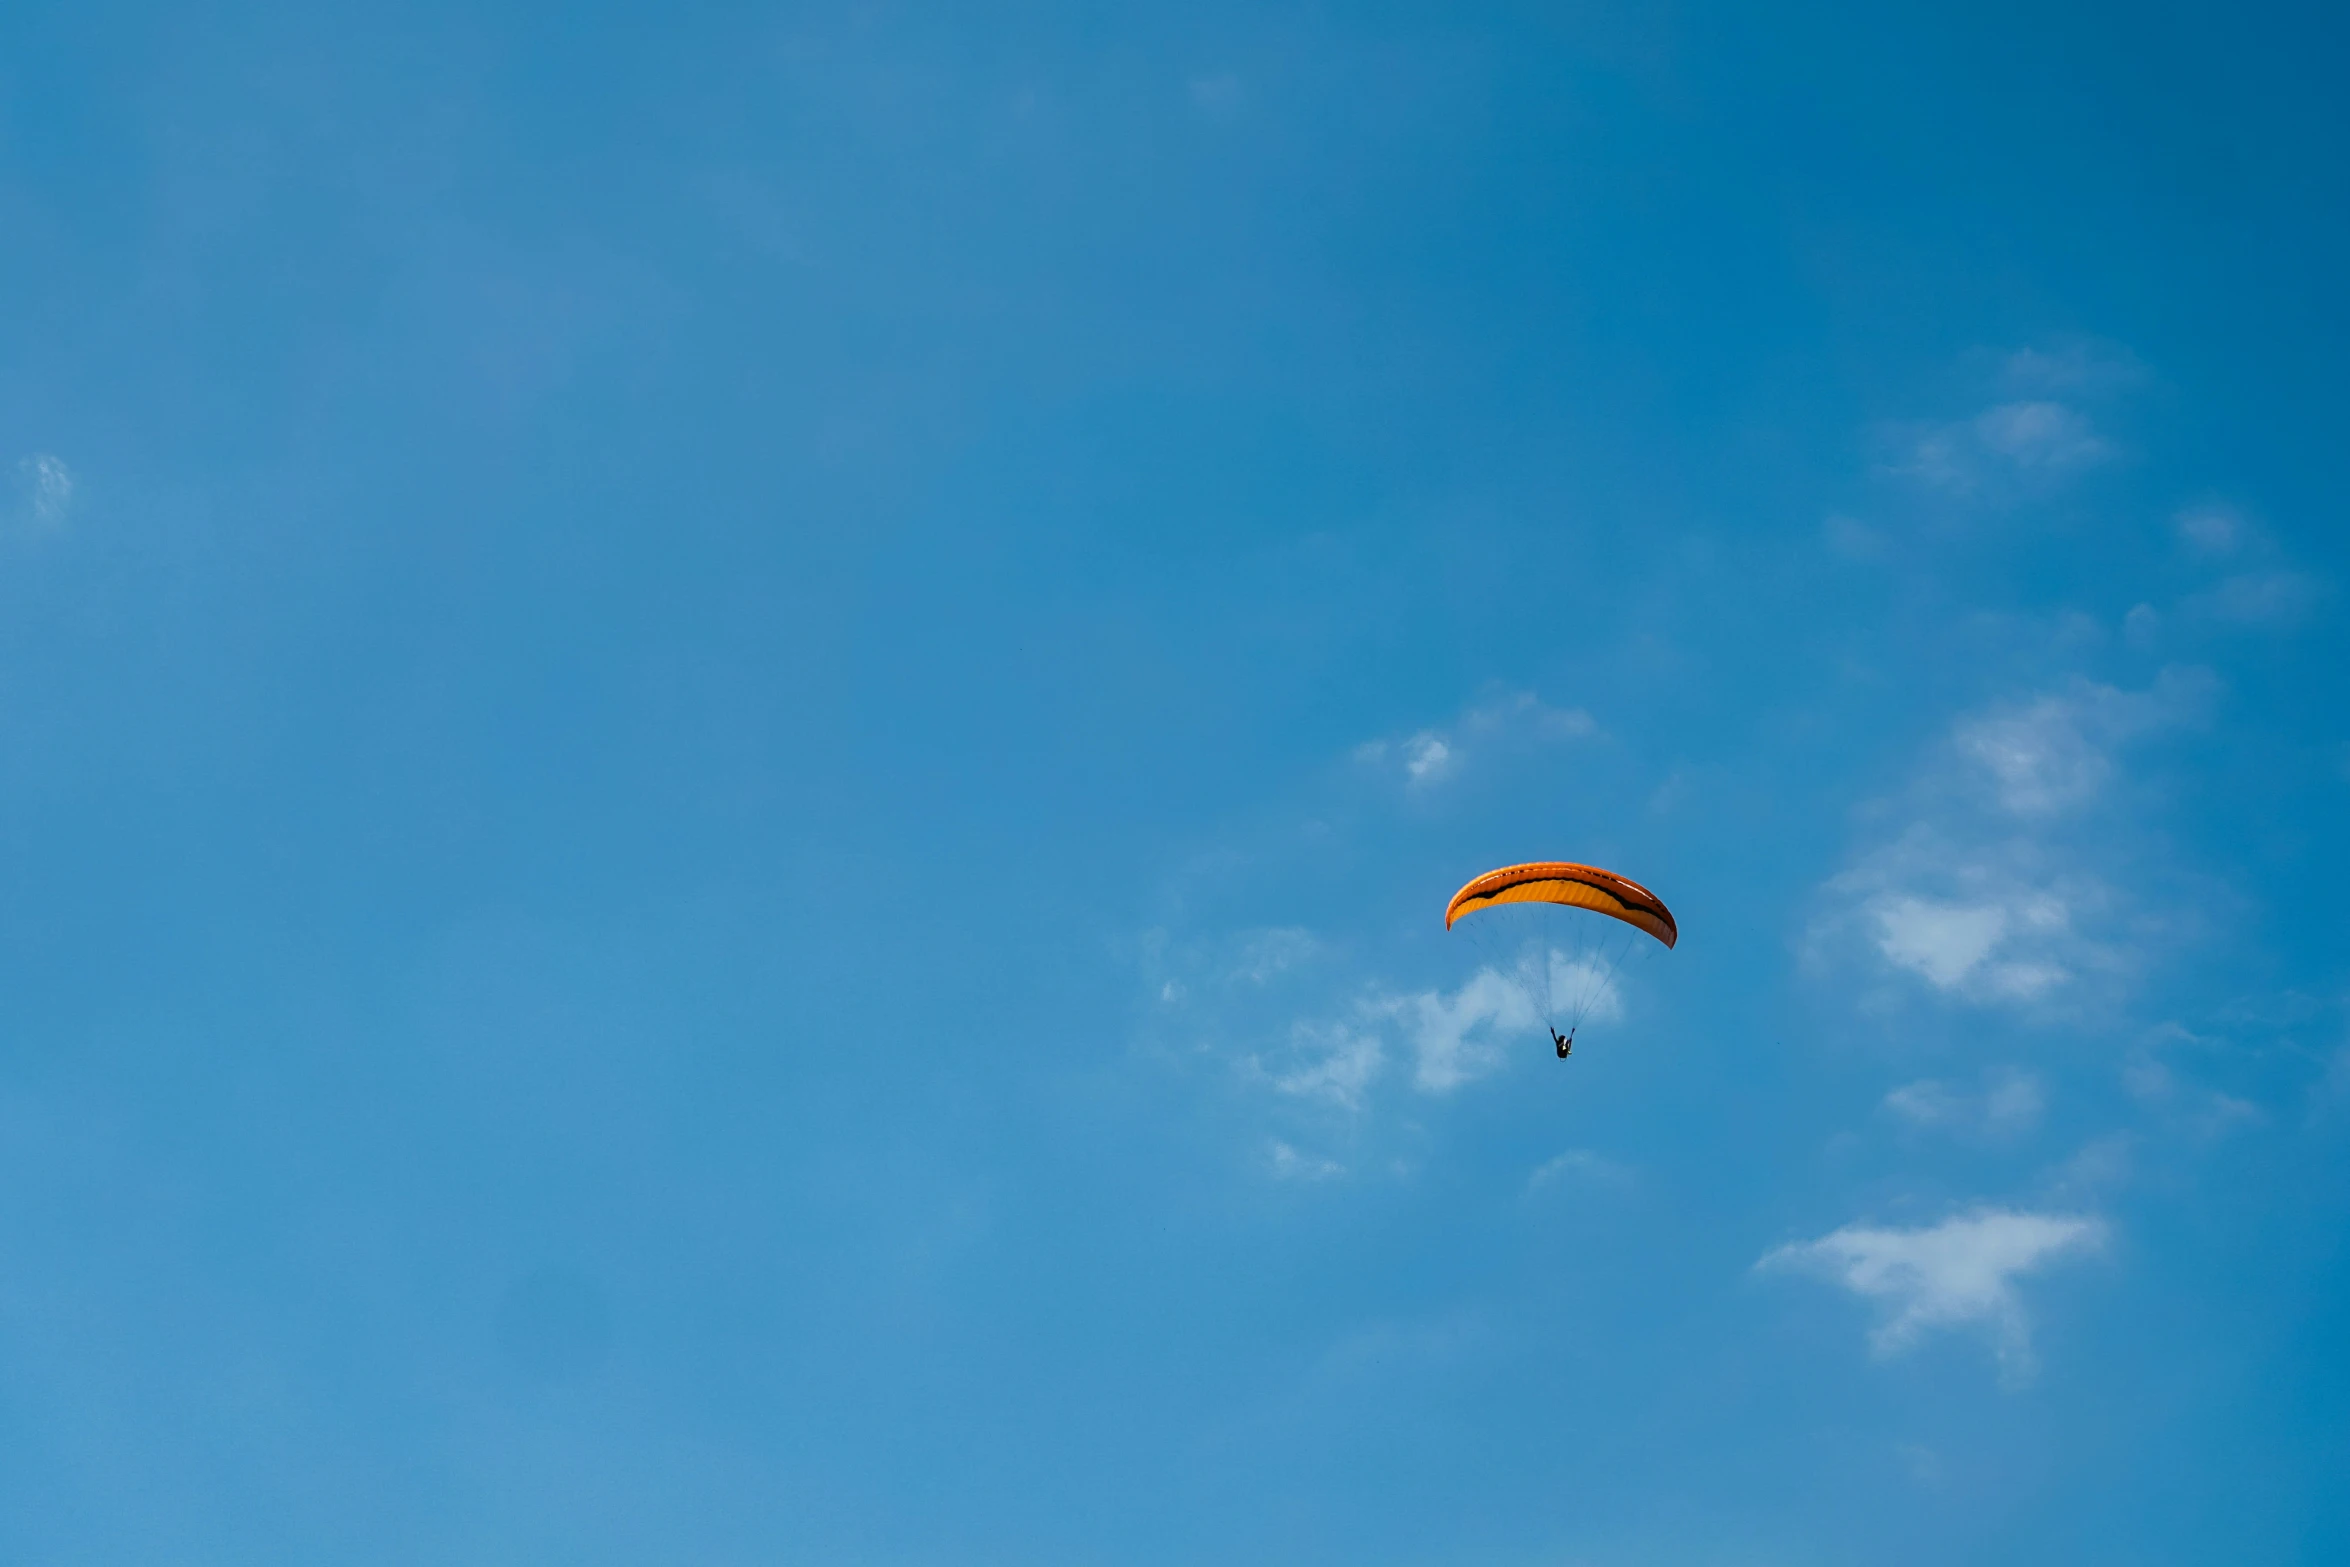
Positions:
(1570, 885)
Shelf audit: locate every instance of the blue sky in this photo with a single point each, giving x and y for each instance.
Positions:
(734, 736)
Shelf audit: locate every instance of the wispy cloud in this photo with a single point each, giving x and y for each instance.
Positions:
(1332, 1062)
(2017, 443)
(1288, 1164)
(1456, 1038)
(1577, 1165)
(2194, 1109)
(1960, 1273)
(1459, 1037)
(2102, 1165)
(2009, 1101)
(1988, 924)
(2045, 436)
(2210, 528)
(1266, 954)
(1852, 538)
(1277, 1010)
(45, 489)
(2053, 752)
(1430, 757)
(2330, 1094)
(2259, 600)
(2074, 368)
(1985, 897)
(1241, 961)
(2032, 433)
(2263, 592)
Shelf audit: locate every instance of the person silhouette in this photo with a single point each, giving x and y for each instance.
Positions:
(1565, 1041)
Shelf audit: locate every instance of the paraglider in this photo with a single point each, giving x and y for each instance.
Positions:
(1575, 964)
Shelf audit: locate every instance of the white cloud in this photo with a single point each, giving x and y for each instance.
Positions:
(1927, 1102)
(1265, 954)
(1852, 538)
(1981, 898)
(2054, 752)
(1459, 1037)
(2210, 529)
(2102, 1165)
(2200, 1112)
(1377, 1351)
(1290, 1165)
(2030, 441)
(1427, 759)
(2010, 1101)
(2072, 367)
(1525, 713)
(2264, 592)
(1956, 1274)
(1991, 926)
(2331, 1092)
(1228, 968)
(2040, 435)
(48, 486)
(1581, 1165)
(1455, 1037)
(1923, 1463)
(1518, 720)
(1327, 1061)
(2013, 1100)
(2039, 759)
(2268, 600)
(1944, 942)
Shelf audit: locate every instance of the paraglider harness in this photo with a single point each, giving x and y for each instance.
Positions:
(1565, 1042)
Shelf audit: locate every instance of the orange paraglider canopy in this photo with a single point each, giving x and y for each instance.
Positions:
(1573, 886)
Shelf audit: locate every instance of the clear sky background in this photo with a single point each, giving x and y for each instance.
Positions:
(730, 740)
